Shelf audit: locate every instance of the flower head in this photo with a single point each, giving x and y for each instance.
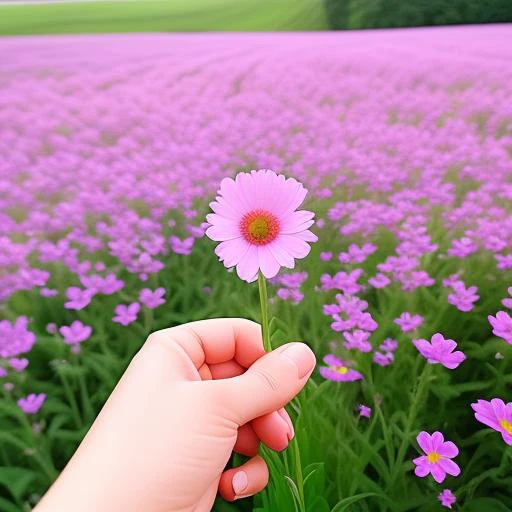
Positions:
(502, 325)
(497, 415)
(365, 411)
(31, 403)
(78, 298)
(338, 371)
(437, 458)
(258, 226)
(447, 498)
(408, 322)
(126, 314)
(440, 350)
(75, 333)
(152, 299)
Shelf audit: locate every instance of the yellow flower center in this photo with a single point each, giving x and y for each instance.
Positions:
(339, 369)
(506, 426)
(259, 227)
(433, 457)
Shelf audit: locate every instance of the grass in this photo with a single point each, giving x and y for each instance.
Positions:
(162, 16)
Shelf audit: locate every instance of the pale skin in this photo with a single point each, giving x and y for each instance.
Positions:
(192, 396)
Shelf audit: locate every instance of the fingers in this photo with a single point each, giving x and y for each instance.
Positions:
(246, 480)
(216, 341)
(247, 442)
(270, 383)
(274, 429)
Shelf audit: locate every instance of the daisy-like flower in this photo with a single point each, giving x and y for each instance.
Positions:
(437, 459)
(497, 415)
(440, 351)
(447, 498)
(258, 226)
(337, 370)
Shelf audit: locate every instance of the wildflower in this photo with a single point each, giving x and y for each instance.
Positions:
(48, 292)
(75, 333)
(364, 411)
(78, 298)
(338, 371)
(325, 256)
(502, 325)
(447, 498)
(18, 364)
(15, 338)
(463, 298)
(126, 314)
(462, 248)
(31, 403)
(257, 223)
(408, 322)
(357, 340)
(152, 299)
(440, 350)
(379, 280)
(389, 345)
(437, 459)
(383, 359)
(497, 415)
(508, 301)
(51, 328)
(3, 372)
(183, 247)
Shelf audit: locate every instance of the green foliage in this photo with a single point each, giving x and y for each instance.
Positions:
(356, 14)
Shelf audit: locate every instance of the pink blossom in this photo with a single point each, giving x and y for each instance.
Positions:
(497, 415)
(256, 220)
(126, 314)
(408, 322)
(325, 256)
(389, 345)
(338, 370)
(379, 280)
(48, 292)
(440, 350)
(462, 248)
(152, 298)
(463, 298)
(183, 247)
(502, 325)
(78, 298)
(508, 301)
(31, 403)
(383, 359)
(437, 459)
(447, 498)
(18, 364)
(357, 340)
(364, 411)
(75, 333)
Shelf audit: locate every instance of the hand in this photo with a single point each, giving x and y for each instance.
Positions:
(190, 397)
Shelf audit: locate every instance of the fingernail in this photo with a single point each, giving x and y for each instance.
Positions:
(301, 356)
(239, 482)
(286, 418)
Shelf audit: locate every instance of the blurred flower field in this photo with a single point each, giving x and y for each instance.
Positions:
(112, 148)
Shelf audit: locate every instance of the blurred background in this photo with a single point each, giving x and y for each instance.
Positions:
(93, 16)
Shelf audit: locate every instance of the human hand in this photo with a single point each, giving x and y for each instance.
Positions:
(190, 397)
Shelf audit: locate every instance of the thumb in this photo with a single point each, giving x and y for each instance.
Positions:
(269, 384)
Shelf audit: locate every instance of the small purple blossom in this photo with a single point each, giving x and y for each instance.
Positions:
(389, 345)
(408, 322)
(357, 340)
(78, 298)
(325, 256)
(507, 302)
(447, 498)
(364, 411)
(183, 247)
(463, 298)
(152, 299)
(48, 292)
(383, 359)
(31, 403)
(126, 314)
(440, 351)
(379, 280)
(18, 364)
(502, 325)
(338, 370)
(75, 333)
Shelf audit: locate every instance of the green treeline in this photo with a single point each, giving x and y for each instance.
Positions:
(355, 14)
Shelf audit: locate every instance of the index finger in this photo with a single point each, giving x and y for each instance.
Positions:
(217, 341)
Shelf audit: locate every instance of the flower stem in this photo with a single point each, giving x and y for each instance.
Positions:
(262, 286)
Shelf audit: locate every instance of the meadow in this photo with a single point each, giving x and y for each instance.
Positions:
(112, 149)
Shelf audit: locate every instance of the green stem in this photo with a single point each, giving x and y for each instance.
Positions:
(262, 286)
(299, 479)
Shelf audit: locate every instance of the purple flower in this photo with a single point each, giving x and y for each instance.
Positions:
(508, 301)
(389, 345)
(357, 340)
(501, 326)
(15, 338)
(78, 298)
(408, 322)
(364, 411)
(107, 285)
(152, 299)
(18, 364)
(325, 256)
(75, 333)
(447, 498)
(463, 298)
(383, 359)
(379, 280)
(437, 459)
(125, 315)
(179, 246)
(31, 403)
(3, 372)
(440, 350)
(497, 415)
(48, 292)
(338, 371)
(51, 328)
(462, 248)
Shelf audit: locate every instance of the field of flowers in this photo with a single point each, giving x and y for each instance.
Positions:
(112, 148)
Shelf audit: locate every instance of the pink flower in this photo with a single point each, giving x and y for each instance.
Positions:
(325, 256)
(502, 325)
(508, 301)
(379, 280)
(51, 328)
(365, 411)
(183, 247)
(497, 415)
(75, 333)
(78, 298)
(383, 359)
(338, 371)
(447, 498)
(31, 403)
(152, 299)
(440, 350)
(408, 322)
(437, 459)
(257, 223)
(125, 315)
(18, 364)
(389, 345)
(463, 298)
(48, 292)
(357, 340)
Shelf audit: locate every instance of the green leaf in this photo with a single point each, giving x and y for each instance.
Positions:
(17, 480)
(487, 504)
(346, 502)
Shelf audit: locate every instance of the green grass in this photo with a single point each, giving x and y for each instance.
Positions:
(162, 16)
